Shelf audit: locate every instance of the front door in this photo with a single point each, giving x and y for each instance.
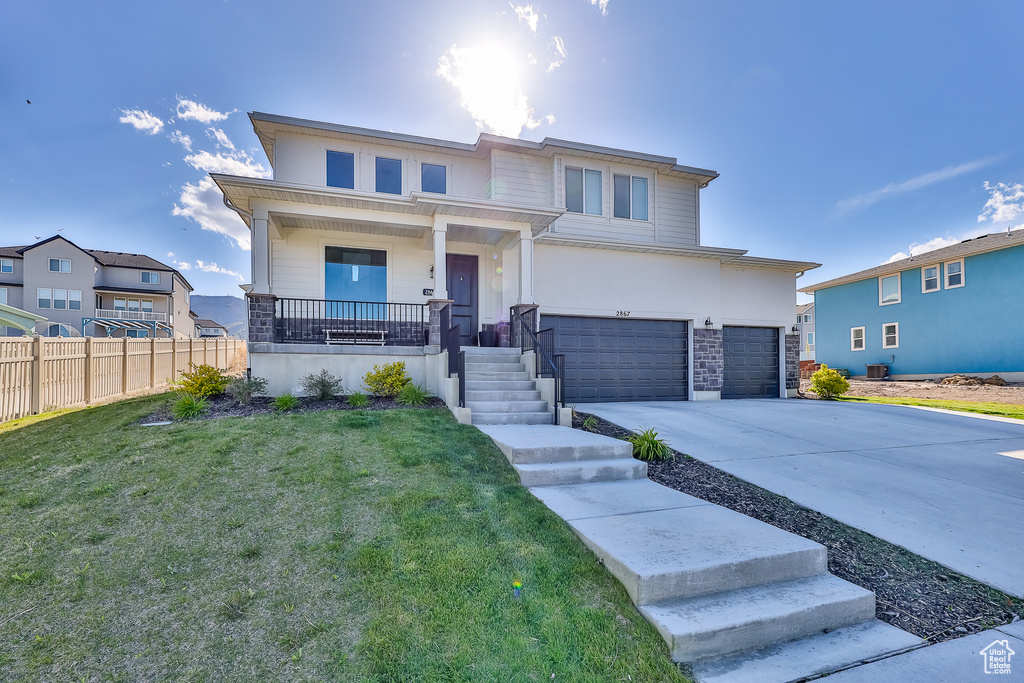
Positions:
(462, 291)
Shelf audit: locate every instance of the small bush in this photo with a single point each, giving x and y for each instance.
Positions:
(202, 380)
(828, 383)
(286, 402)
(189, 407)
(358, 400)
(242, 389)
(590, 424)
(388, 380)
(413, 395)
(648, 446)
(321, 386)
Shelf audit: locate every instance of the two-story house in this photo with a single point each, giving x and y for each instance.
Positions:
(210, 328)
(362, 225)
(955, 309)
(92, 292)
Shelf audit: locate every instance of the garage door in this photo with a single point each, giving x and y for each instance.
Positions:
(751, 362)
(621, 359)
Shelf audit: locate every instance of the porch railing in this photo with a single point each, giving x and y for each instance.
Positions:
(327, 321)
(450, 342)
(542, 343)
(120, 314)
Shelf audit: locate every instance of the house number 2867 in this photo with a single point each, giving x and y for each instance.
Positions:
(621, 314)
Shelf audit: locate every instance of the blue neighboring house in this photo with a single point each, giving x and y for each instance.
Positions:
(955, 309)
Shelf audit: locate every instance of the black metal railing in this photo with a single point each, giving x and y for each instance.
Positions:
(542, 343)
(454, 348)
(326, 321)
(462, 379)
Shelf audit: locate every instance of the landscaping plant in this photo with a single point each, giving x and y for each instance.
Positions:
(828, 383)
(358, 399)
(189, 407)
(202, 380)
(590, 424)
(648, 446)
(242, 389)
(286, 402)
(321, 386)
(387, 380)
(413, 395)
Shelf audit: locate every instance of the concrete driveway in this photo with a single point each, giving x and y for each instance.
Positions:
(948, 487)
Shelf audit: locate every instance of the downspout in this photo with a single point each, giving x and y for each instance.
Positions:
(227, 203)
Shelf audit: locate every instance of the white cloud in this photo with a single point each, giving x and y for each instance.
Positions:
(916, 183)
(559, 45)
(141, 120)
(930, 245)
(490, 85)
(190, 110)
(602, 4)
(552, 66)
(526, 13)
(170, 254)
(182, 139)
(214, 268)
(220, 137)
(204, 204)
(183, 265)
(234, 163)
(1005, 203)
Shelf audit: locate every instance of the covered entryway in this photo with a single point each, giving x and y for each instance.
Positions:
(751, 356)
(621, 359)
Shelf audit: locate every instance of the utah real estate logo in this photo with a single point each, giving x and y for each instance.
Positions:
(997, 657)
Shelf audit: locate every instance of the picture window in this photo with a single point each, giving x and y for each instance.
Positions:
(341, 170)
(889, 289)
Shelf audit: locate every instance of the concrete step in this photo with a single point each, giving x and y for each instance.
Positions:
(474, 368)
(580, 472)
(504, 359)
(758, 616)
(512, 418)
(684, 552)
(526, 395)
(493, 351)
(499, 384)
(815, 655)
(508, 406)
(493, 376)
(544, 444)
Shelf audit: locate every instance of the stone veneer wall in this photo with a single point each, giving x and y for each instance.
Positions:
(261, 317)
(792, 361)
(708, 360)
(435, 306)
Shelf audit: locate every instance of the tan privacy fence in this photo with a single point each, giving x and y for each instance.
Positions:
(42, 373)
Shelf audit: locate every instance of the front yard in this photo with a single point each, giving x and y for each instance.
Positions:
(328, 545)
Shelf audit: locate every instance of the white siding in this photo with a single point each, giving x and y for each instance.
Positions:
(520, 178)
(676, 211)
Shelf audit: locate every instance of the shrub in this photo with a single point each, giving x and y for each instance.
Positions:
(321, 386)
(648, 446)
(358, 400)
(202, 380)
(387, 380)
(242, 389)
(286, 402)
(188, 407)
(413, 395)
(590, 424)
(828, 383)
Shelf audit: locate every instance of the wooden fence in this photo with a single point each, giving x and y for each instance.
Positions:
(45, 373)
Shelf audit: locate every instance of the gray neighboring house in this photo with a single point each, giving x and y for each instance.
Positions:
(210, 328)
(93, 292)
(805, 325)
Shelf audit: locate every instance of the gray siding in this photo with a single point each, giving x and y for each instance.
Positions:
(520, 178)
(676, 212)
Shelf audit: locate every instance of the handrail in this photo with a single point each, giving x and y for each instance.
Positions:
(531, 342)
(454, 348)
(462, 379)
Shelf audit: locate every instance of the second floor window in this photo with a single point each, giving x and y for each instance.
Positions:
(954, 274)
(389, 175)
(583, 191)
(6, 265)
(433, 178)
(889, 290)
(930, 279)
(630, 197)
(150, 277)
(59, 299)
(60, 265)
(341, 170)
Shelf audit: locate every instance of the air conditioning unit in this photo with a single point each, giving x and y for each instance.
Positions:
(878, 370)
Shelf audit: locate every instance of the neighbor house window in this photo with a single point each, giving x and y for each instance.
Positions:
(341, 170)
(137, 334)
(60, 298)
(99, 301)
(929, 279)
(119, 303)
(856, 338)
(890, 335)
(807, 318)
(433, 178)
(954, 274)
(133, 305)
(583, 191)
(3, 295)
(75, 299)
(147, 305)
(889, 289)
(60, 265)
(389, 175)
(44, 297)
(150, 278)
(355, 275)
(810, 339)
(6, 265)
(630, 197)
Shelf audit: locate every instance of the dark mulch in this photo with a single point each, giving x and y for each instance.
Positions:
(912, 593)
(225, 406)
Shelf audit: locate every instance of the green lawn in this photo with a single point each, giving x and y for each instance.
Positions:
(349, 546)
(1000, 409)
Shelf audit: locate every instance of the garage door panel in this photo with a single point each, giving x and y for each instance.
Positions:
(751, 368)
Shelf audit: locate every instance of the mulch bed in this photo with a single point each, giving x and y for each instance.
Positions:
(912, 593)
(225, 406)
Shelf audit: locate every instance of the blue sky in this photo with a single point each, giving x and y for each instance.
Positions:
(845, 133)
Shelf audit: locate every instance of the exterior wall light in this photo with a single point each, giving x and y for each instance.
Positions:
(431, 272)
(707, 323)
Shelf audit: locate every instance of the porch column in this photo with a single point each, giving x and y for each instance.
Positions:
(260, 252)
(526, 268)
(440, 233)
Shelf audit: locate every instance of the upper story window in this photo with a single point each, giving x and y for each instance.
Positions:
(807, 317)
(630, 197)
(150, 277)
(119, 303)
(59, 299)
(856, 338)
(6, 265)
(889, 289)
(147, 305)
(433, 178)
(929, 279)
(954, 274)
(389, 175)
(60, 265)
(583, 191)
(341, 170)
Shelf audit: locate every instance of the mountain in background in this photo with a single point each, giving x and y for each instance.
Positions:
(229, 311)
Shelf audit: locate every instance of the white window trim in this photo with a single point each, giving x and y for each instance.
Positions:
(945, 275)
(899, 289)
(863, 339)
(355, 152)
(583, 188)
(891, 346)
(938, 278)
(6, 262)
(60, 262)
(151, 274)
(447, 176)
(611, 199)
(404, 161)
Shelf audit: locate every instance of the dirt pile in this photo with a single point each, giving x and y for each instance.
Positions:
(966, 381)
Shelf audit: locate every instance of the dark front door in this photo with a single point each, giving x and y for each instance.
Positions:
(462, 291)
